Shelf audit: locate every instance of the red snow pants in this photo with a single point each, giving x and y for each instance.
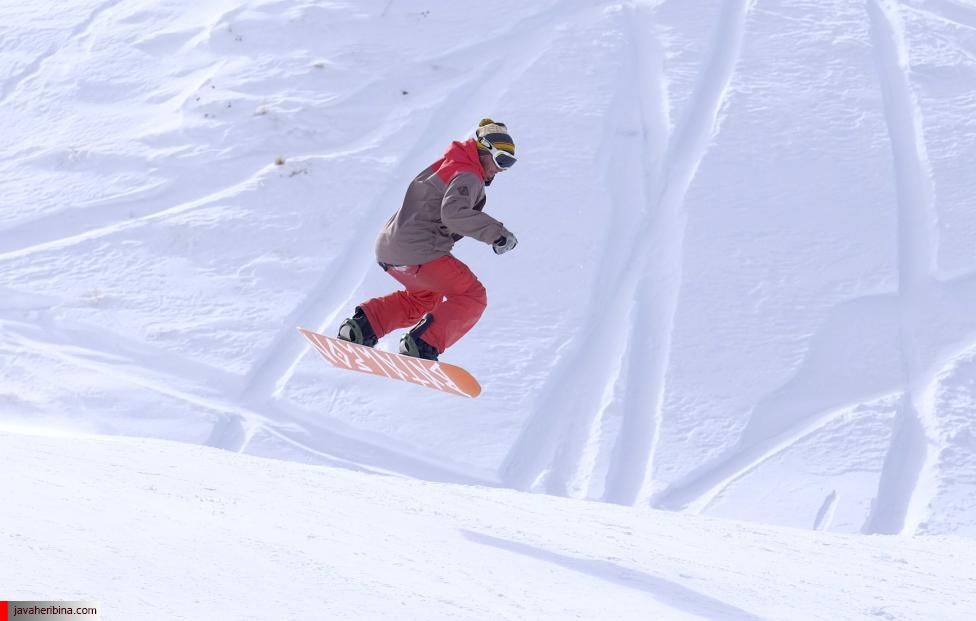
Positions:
(444, 287)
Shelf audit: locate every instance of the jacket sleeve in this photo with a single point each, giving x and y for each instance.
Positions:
(459, 212)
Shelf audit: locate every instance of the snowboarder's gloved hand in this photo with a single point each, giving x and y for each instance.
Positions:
(504, 243)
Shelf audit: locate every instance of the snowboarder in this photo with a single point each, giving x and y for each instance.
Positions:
(442, 299)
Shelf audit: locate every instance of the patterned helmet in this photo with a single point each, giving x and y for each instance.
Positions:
(492, 136)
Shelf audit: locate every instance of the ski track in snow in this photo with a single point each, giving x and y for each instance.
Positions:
(684, 155)
(901, 500)
(557, 440)
(825, 516)
(202, 388)
(917, 252)
(696, 491)
(559, 431)
(946, 11)
(112, 217)
(633, 448)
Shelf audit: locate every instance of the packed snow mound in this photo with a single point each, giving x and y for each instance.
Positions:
(744, 284)
(151, 529)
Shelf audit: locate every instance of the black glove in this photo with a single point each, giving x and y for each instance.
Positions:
(504, 243)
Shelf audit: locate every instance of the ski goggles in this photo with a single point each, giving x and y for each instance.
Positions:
(503, 159)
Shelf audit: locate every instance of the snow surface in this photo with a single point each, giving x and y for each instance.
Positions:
(744, 289)
(161, 530)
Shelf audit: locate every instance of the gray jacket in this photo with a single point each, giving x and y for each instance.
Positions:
(443, 204)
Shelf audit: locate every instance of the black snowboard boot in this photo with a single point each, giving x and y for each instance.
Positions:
(412, 345)
(357, 330)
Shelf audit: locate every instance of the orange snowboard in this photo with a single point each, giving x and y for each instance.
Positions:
(438, 375)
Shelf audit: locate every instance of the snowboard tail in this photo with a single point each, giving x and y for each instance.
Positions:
(430, 373)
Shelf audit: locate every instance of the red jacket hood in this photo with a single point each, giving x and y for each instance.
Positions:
(459, 157)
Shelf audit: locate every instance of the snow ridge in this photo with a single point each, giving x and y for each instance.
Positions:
(917, 249)
(80, 31)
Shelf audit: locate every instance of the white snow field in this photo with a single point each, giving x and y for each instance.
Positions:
(745, 289)
(161, 530)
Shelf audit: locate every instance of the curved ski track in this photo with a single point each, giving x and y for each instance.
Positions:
(917, 260)
(566, 431)
(905, 481)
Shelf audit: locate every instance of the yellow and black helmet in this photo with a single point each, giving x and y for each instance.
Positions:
(492, 136)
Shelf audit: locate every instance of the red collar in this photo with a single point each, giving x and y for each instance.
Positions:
(460, 157)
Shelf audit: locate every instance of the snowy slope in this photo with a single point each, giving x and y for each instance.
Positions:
(154, 530)
(744, 286)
